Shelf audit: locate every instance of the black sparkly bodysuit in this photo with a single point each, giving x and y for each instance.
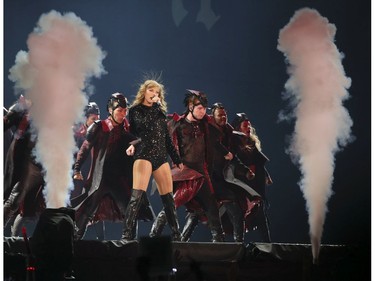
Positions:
(150, 125)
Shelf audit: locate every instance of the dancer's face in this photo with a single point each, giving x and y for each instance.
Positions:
(91, 119)
(246, 127)
(119, 114)
(220, 117)
(199, 111)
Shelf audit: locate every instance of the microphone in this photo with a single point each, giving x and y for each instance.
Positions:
(157, 102)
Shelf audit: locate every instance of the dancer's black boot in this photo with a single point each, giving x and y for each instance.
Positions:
(190, 225)
(158, 225)
(263, 224)
(236, 218)
(171, 215)
(131, 214)
(214, 222)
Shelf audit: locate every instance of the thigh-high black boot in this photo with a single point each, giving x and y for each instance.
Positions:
(158, 225)
(131, 214)
(171, 215)
(190, 225)
(237, 220)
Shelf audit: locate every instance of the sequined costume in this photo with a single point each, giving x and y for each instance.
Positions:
(149, 124)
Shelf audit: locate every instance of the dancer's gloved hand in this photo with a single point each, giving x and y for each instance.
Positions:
(78, 176)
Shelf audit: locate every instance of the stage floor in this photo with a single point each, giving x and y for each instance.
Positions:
(160, 259)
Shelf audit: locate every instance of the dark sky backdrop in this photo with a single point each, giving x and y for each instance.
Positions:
(230, 54)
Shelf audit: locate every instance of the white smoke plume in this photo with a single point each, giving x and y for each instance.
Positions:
(54, 74)
(316, 89)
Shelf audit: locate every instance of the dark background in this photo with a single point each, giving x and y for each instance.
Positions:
(230, 54)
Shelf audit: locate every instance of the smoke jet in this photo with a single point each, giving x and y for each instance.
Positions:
(63, 55)
(316, 89)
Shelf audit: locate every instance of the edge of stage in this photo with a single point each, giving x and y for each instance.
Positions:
(159, 258)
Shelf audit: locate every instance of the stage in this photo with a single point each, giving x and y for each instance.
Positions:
(160, 259)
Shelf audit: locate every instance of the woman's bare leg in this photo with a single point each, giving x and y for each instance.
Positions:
(163, 178)
(142, 170)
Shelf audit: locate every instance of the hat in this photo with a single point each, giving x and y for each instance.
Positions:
(117, 100)
(196, 97)
(240, 117)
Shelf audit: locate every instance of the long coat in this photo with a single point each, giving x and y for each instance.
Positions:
(110, 168)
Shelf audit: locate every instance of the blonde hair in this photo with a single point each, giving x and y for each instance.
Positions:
(140, 97)
(254, 137)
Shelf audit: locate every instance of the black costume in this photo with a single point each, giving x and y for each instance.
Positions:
(110, 174)
(80, 131)
(246, 150)
(23, 179)
(235, 201)
(149, 124)
(195, 145)
(228, 194)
